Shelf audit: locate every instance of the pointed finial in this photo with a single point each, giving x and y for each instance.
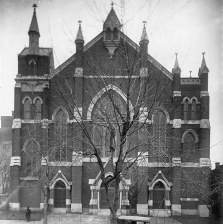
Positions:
(79, 33)
(176, 68)
(112, 4)
(144, 36)
(34, 7)
(204, 68)
(190, 73)
(176, 65)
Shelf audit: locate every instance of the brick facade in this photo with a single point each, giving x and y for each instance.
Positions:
(40, 134)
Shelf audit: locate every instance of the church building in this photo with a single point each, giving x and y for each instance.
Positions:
(55, 109)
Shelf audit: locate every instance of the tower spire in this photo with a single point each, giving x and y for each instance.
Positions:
(34, 33)
(34, 24)
(176, 68)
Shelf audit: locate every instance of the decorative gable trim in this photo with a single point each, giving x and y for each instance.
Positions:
(160, 177)
(59, 176)
(125, 38)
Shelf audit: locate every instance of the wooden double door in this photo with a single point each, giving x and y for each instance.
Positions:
(159, 196)
(59, 195)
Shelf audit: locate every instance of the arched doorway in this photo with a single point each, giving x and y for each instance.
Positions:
(59, 194)
(111, 192)
(159, 195)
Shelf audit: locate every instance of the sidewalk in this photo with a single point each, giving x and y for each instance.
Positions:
(93, 219)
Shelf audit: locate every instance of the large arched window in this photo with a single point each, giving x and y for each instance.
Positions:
(159, 135)
(189, 147)
(31, 158)
(186, 102)
(27, 108)
(37, 109)
(107, 123)
(193, 110)
(60, 136)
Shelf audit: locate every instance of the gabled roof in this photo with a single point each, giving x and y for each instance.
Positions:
(127, 40)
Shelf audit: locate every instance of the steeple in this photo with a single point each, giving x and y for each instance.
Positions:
(112, 20)
(34, 33)
(203, 68)
(176, 69)
(144, 37)
(79, 37)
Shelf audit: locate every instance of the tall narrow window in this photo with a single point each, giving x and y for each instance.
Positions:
(193, 110)
(31, 163)
(108, 34)
(32, 68)
(27, 109)
(186, 109)
(115, 34)
(159, 135)
(37, 109)
(189, 148)
(61, 136)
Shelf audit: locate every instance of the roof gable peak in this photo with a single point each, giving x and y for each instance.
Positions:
(112, 21)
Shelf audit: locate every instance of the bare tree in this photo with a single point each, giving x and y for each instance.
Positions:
(110, 128)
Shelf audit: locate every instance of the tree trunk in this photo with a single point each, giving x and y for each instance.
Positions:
(113, 218)
(45, 210)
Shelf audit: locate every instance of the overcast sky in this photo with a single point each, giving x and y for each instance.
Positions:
(188, 27)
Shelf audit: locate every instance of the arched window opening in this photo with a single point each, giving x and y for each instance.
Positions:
(193, 110)
(37, 109)
(108, 34)
(189, 148)
(159, 135)
(31, 163)
(186, 109)
(106, 119)
(115, 34)
(159, 195)
(27, 109)
(60, 136)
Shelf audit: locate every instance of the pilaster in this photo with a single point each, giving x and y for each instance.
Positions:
(176, 189)
(15, 162)
(76, 205)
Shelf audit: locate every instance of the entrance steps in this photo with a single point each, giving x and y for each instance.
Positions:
(160, 212)
(59, 210)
